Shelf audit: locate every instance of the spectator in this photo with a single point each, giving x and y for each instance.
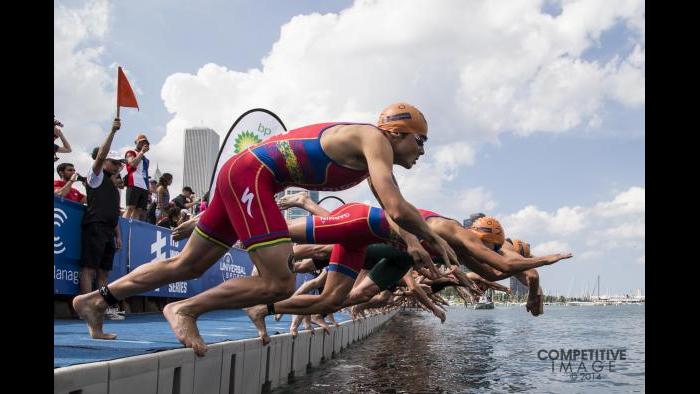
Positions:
(57, 133)
(152, 202)
(101, 237)
(163, 195)
(186, 199)
(204, 204)
(64, 186)
(171, 218)
(137, 179)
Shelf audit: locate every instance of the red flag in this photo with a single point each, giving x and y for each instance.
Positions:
(125, 96)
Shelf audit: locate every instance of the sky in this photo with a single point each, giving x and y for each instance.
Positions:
(535, 108)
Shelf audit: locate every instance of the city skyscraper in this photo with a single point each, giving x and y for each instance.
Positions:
(201, 149)
(517, 287)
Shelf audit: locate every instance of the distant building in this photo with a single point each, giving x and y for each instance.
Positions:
(468, 222)
(294, 213)
(201, 150)
(517, 288)
(157, 175)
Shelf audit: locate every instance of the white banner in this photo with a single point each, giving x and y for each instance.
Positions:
(250, 128)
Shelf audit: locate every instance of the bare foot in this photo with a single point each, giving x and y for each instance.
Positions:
(185, 328)
(257, 316)
(292, 200)
(294, 327)
(319, 320)
(307, 324)
(91, 308)
(331, 319)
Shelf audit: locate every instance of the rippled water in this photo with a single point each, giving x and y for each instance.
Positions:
(487, 351)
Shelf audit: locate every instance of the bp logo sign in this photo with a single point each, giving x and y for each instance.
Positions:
(247, 138)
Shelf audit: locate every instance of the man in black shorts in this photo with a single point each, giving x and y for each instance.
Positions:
(100, 227)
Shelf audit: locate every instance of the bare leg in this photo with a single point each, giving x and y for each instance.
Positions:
(275, 283)
(259, 325)
(102, 277)
(294, 327)
(307, 324)
(198, 255)
(319, 320)
(87, 276)
(362, 291)
(332, 319)
(334, 292)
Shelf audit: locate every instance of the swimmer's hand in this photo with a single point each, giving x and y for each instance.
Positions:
(185, 229)
(440, 314)
(553, 258)
(442, 248)
(421, 258)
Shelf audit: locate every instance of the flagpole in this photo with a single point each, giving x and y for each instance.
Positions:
(117, 92)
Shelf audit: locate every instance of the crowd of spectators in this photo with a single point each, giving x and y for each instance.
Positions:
(146, 200)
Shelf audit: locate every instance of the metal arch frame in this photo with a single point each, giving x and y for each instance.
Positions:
(327, 197)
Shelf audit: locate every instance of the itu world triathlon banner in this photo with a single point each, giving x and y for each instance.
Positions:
(141, 243)
(250, 128)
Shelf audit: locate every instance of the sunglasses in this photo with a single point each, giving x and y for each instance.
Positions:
(420, 139)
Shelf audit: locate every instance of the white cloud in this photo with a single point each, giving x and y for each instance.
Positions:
(449, 158)
(83, 87)
(507, 67)
(476, 200)
(550, 247)
(530, 221)
(606, 231)
(627, 85)
(630, 230)
(631, 201)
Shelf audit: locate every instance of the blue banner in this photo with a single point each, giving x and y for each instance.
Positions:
(141, 243)
(150, 243)
(67, 230)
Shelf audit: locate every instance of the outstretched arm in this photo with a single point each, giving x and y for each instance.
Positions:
(379, 157)
(104, 148)
(487, 284)
(66, 148)
(505, 261)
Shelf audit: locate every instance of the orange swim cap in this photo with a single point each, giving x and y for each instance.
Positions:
(403, 118)
(522, 247)
(489, 230)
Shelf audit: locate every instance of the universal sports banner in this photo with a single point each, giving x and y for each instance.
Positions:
(250, 128)
(149, 243)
